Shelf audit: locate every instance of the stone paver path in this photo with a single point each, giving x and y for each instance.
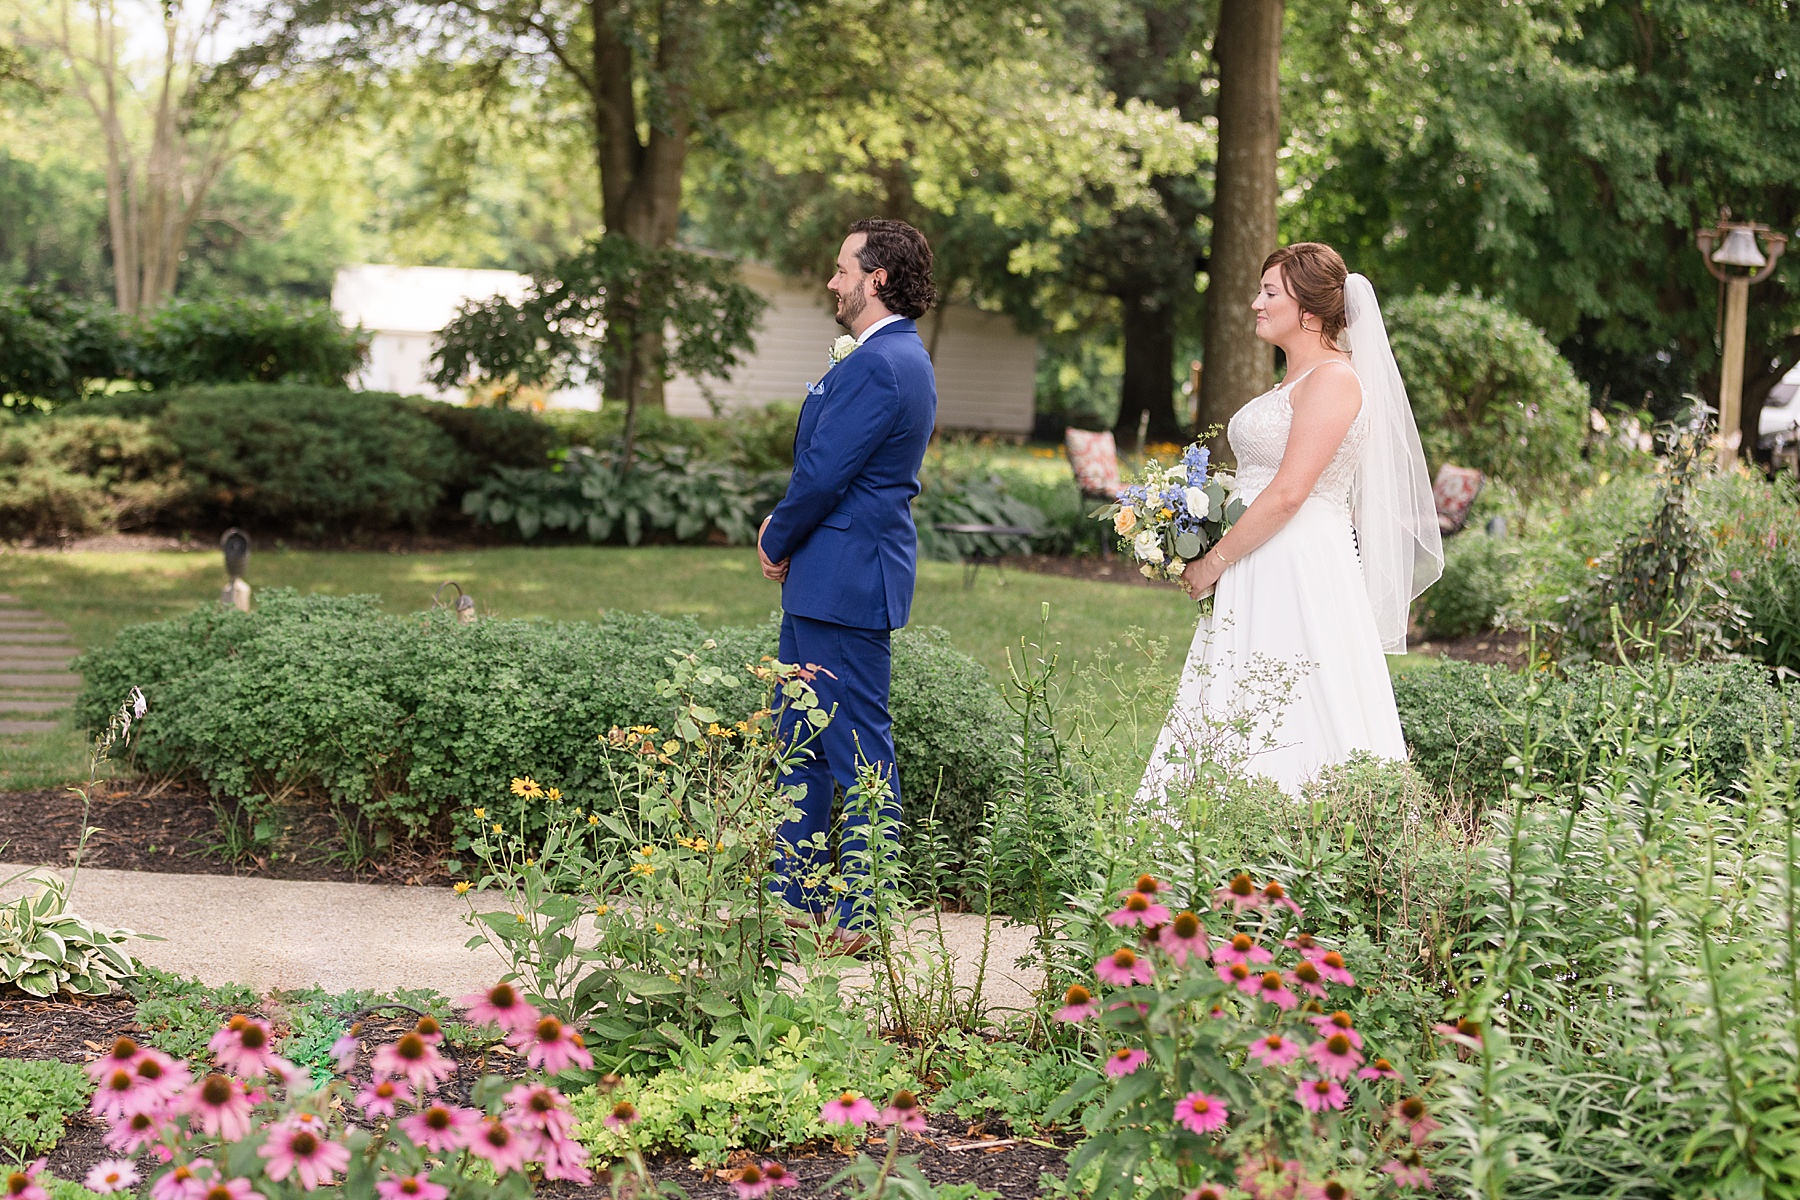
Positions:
(271, 933)
(35, 682)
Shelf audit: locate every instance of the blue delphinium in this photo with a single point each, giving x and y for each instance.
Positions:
(1196, 461)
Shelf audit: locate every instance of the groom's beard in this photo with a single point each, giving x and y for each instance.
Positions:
(849, 308)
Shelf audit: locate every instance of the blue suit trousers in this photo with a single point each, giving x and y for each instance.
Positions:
(861, 666)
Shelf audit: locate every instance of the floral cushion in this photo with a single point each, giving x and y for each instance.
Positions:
(1094, 458)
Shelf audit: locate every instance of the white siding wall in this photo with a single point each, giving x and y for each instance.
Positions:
(986, 372)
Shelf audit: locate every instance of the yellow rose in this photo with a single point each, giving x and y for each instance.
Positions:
(1124, 521)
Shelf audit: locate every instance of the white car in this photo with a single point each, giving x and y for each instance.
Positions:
(1778, 431)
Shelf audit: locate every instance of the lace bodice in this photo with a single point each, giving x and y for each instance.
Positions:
(1258, 434)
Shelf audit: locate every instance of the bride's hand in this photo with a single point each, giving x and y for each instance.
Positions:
(1199, 577)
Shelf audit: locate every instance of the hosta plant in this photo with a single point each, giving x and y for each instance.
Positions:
(46, 949)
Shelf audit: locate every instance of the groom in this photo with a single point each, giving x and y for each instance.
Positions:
(842, 542)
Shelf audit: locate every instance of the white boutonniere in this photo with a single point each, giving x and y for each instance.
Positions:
(840, 349)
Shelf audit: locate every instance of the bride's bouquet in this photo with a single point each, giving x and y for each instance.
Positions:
(1174, 514)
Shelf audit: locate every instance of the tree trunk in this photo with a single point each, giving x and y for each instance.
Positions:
(1239, 366)
(640, 180)
(1148, 384)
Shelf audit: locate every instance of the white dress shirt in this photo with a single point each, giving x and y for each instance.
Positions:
(870, 331)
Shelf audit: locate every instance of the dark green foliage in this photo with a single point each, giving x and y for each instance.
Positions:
(1489, 389)
(1758, 533)
(601, 497)
(1474, 586)
(178, 1015)
(414, 719)
(1456, 721)
(490, 437)
(972, 500)
(238, 340)
(54, 349)
(62, 476)
(309, 459)
(37, 1098)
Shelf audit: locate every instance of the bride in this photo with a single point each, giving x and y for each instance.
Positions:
(1314, 580)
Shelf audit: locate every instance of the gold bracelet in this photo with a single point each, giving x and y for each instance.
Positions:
(1223, 561)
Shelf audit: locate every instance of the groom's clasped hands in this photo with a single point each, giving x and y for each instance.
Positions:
(771, 570)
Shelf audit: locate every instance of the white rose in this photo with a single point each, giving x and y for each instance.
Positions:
(1178, 473)
(1147, 547)
(840, 349)
(1197, 504)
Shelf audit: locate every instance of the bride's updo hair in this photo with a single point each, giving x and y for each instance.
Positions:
(1315, 276)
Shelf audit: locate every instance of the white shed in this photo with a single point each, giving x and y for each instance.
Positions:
(986, 370)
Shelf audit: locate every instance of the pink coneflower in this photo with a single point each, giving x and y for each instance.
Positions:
(1408, 1171)
(410, 1187)
(1337, 1022)
(779, 1176)
(1275, 896)
(1272, 987)
(440, 1128)
(1306, 944)
(1381, 1068)
(1317, 1095)
(294, 1149)
(181, 1183)
(1327, 1189)
(110, 1175)
(1139, 909)
(1206, 1191)
(218, 1102)
(122, 1056)
(160, 1076)
(1307, 978)
(1466, 1032)
(1201, 1113)
(1238, 975)
(1412, 1113)
(553, 1046)
(132, 1133)
(1146, 884)
(378, 1098)
(754, 1181)
(847, 1109)
(1240, 894)
(1242, 948)
(1123, 967)
(118, 1093)
(564, 1158)
(413, 1059)
(496, 1142)
(1078, 1005)
(540, 1108)
(343, 1053)
(1124, 1061)
(1335, 1056)
(500, 1005)
(1274, 1050)
(429, 1029)
(623, 1116)
(1331, 966)
(903, 1110)
(230, 1189)
(1184, 936)
(1269, 1179)
(245, 1047)
(22, 1184)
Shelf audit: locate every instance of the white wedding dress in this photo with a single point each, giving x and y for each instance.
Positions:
(1288, 675)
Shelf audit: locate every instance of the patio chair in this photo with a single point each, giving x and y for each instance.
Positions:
(1453, 493)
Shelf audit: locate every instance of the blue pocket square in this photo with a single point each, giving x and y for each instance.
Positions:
(815, 389)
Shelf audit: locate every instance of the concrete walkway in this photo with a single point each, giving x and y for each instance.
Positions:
(35, 682)
(269, 933)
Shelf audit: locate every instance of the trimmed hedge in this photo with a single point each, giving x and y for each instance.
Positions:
(411, 719)
(1456, 725)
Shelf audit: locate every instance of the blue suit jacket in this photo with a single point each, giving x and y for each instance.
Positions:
(846, 523)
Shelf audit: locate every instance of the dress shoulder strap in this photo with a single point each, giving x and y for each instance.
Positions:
(1288, 385)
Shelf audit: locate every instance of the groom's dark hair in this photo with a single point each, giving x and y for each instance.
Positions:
(903, 252)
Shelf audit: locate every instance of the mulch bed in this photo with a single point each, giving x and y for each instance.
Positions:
(167, 825)
(78, 1032)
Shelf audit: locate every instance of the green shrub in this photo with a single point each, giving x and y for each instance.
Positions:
(756, 439)
(37, 1097)
(595, 496)
(189, 343)
(309, 459)
(1757, 526)
(489, 437)
(63, 476)
(1476, 586)
(1456, 723)
(411, 718)
(1489, 389)
(972, 500)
